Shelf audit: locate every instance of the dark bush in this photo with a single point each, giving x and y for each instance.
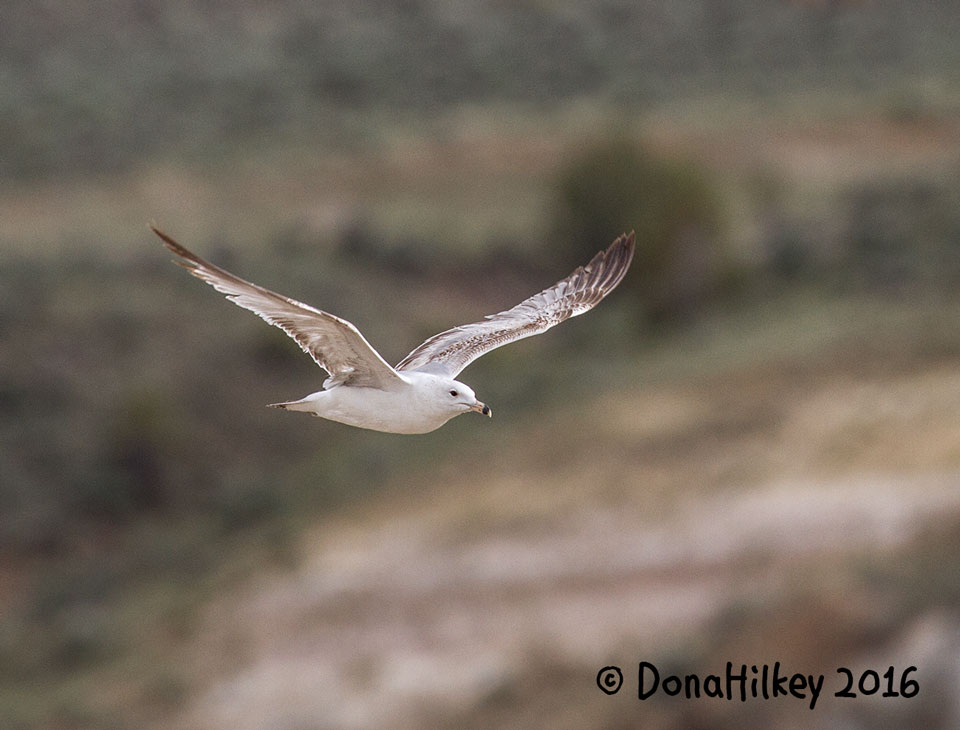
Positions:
(673, 205)
(903, 231)
(132, 473)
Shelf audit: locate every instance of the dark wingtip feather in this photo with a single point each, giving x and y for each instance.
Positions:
(610, 265)
(624, 247)
(170, 243)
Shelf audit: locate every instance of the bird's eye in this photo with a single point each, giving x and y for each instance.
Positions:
(454, 393)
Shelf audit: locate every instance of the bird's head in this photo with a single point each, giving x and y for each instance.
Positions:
(461, 397)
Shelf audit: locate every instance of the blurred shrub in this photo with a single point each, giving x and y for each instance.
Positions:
(404, 256)
(133, 473)
(903, 231)
(673, 205)
(246, 505)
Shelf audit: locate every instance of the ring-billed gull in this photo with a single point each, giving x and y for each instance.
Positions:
(421, 393)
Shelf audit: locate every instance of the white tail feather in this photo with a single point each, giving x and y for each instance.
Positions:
(304, 404)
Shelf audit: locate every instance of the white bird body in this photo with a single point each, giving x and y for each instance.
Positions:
(422, 403)
(420, 394)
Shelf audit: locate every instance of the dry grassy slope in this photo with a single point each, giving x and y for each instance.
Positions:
(632, 528)
(483, 177)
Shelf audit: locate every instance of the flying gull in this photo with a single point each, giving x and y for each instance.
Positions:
(420, 394)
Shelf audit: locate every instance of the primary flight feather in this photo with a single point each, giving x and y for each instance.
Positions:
(420, 394)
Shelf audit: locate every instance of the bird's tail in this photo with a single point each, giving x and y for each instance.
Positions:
(304, 404)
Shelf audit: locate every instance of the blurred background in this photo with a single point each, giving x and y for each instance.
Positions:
(750, 452)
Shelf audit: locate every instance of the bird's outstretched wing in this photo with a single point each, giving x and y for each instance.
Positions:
(334, 343)
(451, 351)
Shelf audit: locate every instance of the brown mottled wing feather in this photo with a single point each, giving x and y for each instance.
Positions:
(451, 351)
(335, 344)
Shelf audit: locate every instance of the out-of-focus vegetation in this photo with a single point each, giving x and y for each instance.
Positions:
(673, 206)
(791, 170)
(100, 86)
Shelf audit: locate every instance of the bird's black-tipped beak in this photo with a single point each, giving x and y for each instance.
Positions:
(482, 408)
